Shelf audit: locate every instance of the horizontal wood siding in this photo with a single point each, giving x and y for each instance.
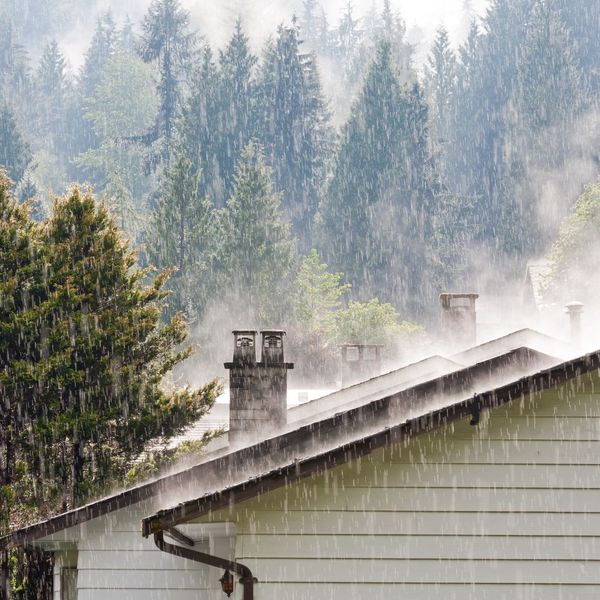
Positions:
(507, 509)
(115, 561)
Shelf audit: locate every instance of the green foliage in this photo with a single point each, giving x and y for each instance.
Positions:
(257, 251)
(293, 121)
(158, 459)
(375, 218)
(574, 255)
(184, 236)
(14, 152)
(124, 105)
(166, 40)
(83, 378)
(371, 322)
(318, 295)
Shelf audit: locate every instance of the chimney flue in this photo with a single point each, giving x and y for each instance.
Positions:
(459, 318)
(360, 362)
(257, 390)
(574, 310)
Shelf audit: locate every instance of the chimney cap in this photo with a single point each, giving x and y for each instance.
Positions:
(574, 307)
(273, 331)
(354, 345)
(445, 295)
(242, 331)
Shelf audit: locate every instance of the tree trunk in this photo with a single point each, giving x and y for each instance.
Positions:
(4, 578)
(76, 473)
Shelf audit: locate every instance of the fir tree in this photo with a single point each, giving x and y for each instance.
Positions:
(52, 94)
(166, 40)
(184, 236)
(101, 50)
(14, 152)
(96, 363)
(200, 126)
(237, 102)
(295, 128)
(374, 218)
(549, 77)
(257, 253)
(440, 84)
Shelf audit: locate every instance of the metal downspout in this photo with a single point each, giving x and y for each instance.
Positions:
(246, 577)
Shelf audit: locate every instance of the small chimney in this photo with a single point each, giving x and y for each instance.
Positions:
(360, 362)
(258, 390)
(574, 310)
(459, 318)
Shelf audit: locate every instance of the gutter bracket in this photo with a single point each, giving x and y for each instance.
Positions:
(246, 578)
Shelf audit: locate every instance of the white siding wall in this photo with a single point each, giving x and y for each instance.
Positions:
(114, 561)
(508, 509)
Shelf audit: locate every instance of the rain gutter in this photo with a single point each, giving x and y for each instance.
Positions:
(246, 577)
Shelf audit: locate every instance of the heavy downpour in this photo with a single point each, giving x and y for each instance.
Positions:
(299, 299)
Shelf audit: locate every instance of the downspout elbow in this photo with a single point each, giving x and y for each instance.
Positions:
(246, 578)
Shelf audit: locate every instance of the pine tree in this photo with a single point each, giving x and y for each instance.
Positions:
(14, 152)
(294, 128)
(19, 293)
(237, 103)
(257, 253)
(374, 218)
(549, 78)
(99, 53)
(200, 127)
(394, 31)
(440, 84)
(166, 40)
(184, 236)
(98, 356)
(53, 88)
(13, 62)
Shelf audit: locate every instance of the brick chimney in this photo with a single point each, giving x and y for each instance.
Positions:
(458, 318)
(258, 390)
(360, 362)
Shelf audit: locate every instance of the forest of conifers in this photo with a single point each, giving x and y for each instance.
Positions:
(229, 166)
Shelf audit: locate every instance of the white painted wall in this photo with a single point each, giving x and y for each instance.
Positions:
(508, 509)
(113, 560)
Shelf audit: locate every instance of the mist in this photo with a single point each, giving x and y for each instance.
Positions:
(215, 20)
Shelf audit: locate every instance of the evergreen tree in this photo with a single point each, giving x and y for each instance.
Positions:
(295, 128)
(440, 84)
(257, 253)
(166, 40)
(14, 152)
(374, 221)
(13, 62)
(53, 89)
(19, 293)
(549, 79)
(101, 50)
(582, 19)
(200, 127)
(92, 356)
(184, 236)
(394, 31)
(237, 103)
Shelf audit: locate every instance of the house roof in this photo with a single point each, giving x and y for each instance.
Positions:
(422, 418)
(536, 276)
(331, 440)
